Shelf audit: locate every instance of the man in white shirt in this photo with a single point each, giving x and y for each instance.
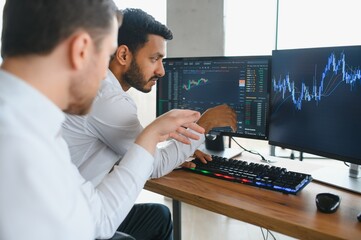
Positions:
(55, 55)
(100, 139)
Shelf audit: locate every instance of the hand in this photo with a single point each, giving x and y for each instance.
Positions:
(202, 156)
(172, 124)
(219, 116)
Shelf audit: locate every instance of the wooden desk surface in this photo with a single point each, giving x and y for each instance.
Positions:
(293, 215)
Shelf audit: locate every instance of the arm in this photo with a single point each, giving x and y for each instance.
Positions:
(100, 139)
(172, 155)
(114, 197)
(175, 153)
(118, 129)
(204, 157)
(172, 124)
(219, 116)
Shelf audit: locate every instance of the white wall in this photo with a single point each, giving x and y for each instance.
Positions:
(250, 27)
(318, 23)
(197, 27)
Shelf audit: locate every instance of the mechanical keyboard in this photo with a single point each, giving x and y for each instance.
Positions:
(254, 174)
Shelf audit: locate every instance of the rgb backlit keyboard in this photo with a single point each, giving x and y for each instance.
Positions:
(255, 174)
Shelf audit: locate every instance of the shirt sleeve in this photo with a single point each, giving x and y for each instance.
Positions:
(173, 154)
(111, 201)
(114, 121)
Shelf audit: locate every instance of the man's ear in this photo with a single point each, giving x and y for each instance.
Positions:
(123, 55)
(79, 49)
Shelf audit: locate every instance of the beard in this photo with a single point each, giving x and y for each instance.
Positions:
(136, 79)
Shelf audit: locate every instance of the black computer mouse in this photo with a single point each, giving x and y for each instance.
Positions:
(327, 202)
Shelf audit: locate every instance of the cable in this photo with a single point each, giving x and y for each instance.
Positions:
(265, 237)
(252, 152)
(273, 236)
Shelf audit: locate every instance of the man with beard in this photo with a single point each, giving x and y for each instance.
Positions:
(100, 139)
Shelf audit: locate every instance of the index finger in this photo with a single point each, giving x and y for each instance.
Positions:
(195, 127)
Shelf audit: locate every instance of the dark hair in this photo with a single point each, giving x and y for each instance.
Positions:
(136, 27)
(38, 26)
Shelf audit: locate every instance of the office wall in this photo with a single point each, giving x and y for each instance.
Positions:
(321, 23)
(198, 27)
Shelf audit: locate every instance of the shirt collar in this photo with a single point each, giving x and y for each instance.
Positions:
(114, 80)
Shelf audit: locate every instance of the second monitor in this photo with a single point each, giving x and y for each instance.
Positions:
(199, 83)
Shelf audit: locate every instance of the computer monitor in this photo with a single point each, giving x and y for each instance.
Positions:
(315, 105)
(199, 83)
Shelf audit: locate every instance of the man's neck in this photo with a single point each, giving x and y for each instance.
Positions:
(36, 71)
(118, 73)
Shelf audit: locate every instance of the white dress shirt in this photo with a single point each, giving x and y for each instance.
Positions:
(100, 139)
(42, 194)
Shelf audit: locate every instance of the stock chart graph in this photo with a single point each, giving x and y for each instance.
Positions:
(315, 97)
(335, 72)
(211, 86)
(194, 83)
(200, 83)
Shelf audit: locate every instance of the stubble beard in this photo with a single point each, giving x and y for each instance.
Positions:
(135, 78)
(80, 103)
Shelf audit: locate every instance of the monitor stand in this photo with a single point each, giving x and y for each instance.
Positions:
(214, 145)
(348, 179)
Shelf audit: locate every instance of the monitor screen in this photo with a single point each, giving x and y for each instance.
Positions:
(315, 101)
(199, 83)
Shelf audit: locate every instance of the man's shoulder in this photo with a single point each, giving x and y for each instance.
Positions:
(112, 95)
(73, 122)
(108, 90)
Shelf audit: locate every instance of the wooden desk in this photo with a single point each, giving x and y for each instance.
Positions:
(293, 215)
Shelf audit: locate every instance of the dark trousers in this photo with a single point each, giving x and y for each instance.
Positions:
(147, 221)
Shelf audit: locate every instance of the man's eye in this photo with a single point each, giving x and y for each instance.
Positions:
(154, 59)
